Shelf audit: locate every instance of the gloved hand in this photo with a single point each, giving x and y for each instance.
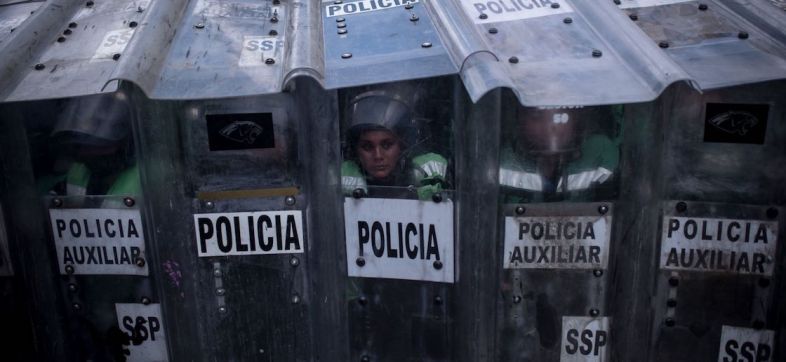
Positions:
(430, 168)
(352, 178)
(426, 192)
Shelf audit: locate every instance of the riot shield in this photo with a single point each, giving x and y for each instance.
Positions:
(398, 217)
(559, 180)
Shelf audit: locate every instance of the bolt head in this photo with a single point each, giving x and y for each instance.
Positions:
(69, 269)
(597, 272)
(295, 299)
(72, 25)
(130, 202)
(483, 16)
(438, 300)
(516, 299)
(139, 262)
(77, 306)
(61, 39)
(513, 60)
(217, 273)
(72, 287)
(567, 20)
(67, 32)
(414, 18)
(493, 30)
(633, 17)
(290, 200)
(681, 206)
(663, 44)
(270, 61)
(703, 7)
(603, 209)
(342, 31)
(341, 25)
(57, 202)
(597, 53)
(520, 210)
(340, 20)
(272, 32)
(555, 5)
(358, 193)
(89, 3)
(594, 312)
(210, 205)
(438, 265)
(437, 197)
(294, 261)
(362, 300)
(200, 25)
(360, 261)
(116, 56)
(409, 6)
(674, 282)
(346, 55)
(426, 45)
(145, 300)
(222, 309)
(274, 19)
(132, 24)
(221, 291)
(40, 66)
(743, 35)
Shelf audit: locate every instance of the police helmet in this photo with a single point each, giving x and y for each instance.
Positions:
(551, 130)
(382, 109)
(99, 120)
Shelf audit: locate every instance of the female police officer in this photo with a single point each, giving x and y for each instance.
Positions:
(383, 149)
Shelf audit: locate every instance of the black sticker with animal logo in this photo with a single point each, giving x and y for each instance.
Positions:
(240, 131)
(736, 123)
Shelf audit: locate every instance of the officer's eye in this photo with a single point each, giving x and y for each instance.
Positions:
(367, 147)
(388, 144)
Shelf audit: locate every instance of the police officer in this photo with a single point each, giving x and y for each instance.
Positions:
(556, 154)
(383, 147)
(94, 153)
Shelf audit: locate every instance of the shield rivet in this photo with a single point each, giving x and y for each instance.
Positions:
(130, 202)
(438, 265)
(290, 200)
(520, 210)
(681, 206)
(294, 261)
(69, 269)
(139, 262)
(360, 261)
(145, 300)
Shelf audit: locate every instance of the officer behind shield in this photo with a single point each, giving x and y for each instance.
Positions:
(94, 152)
(382, 149)
(559, 154)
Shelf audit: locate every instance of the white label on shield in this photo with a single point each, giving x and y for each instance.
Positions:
(99, 241)
(114, 42)
(249, 233)
(399, 239)
(718, 245)
(145, 328)
(497, 11)
(336, 8)
(746, 344)
(629, 4)
(557, 242)
(584, 339)
(258, 49)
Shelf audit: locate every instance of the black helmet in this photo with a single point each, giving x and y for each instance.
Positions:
(388, 108)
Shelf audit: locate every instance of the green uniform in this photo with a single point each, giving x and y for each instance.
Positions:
(427, 174)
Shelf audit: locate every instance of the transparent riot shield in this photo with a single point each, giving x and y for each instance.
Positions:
(559, 180)
(398, 217)
(710, 230)
(82, 158)
(231, 233)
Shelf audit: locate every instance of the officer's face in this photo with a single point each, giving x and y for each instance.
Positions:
(378, 152)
